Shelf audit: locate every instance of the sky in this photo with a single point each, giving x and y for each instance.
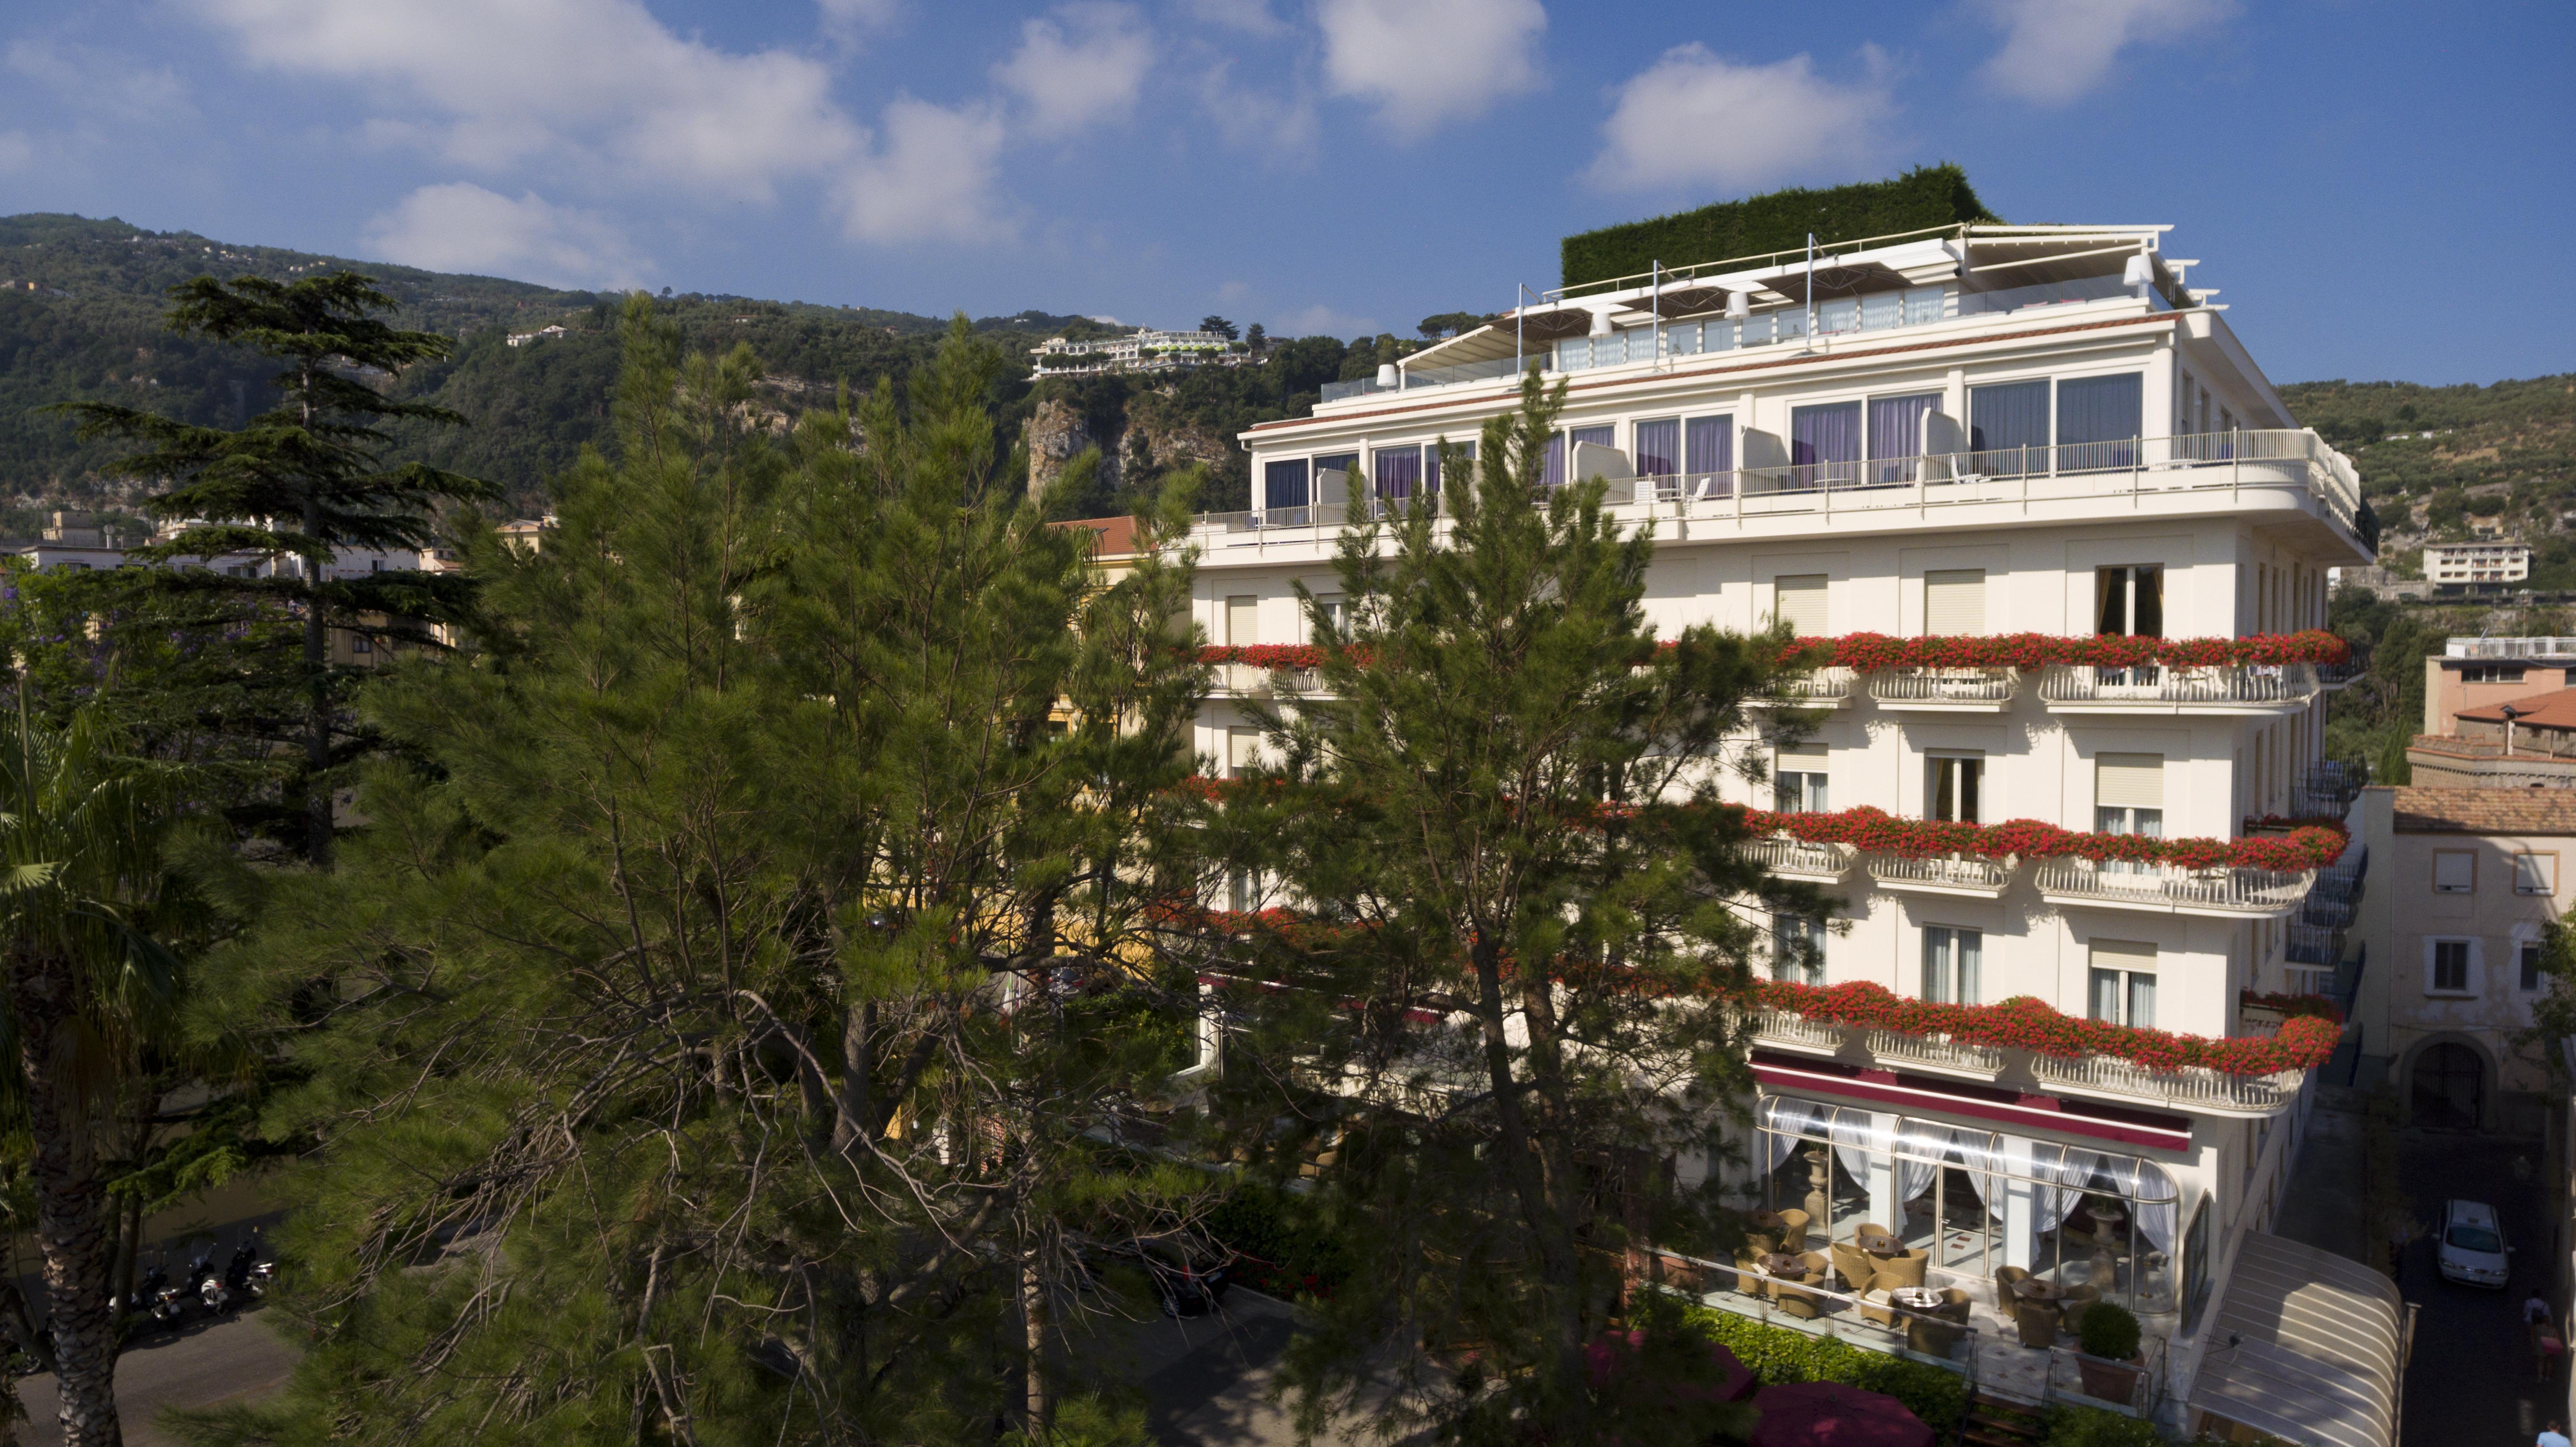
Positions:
(2358, 179)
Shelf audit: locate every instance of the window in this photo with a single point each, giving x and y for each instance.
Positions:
(1950, 786)
(1431, 461)
(1242, 751)
(2129, 601)
(1551, 467)
(1799, 601)
(1333, 477)
(1798, 949)
(2098, 422)
(1824, 442)
(1238, 892)
(1708, 444)
(2008, 425)
(1798, 780)
(2129, 794)
(1399, 472)
(2455, 871)
(2124, 982)
(1954, 602)
(1334, 609)
(2530, 961)
(1896, 432)
(1659, 447)
(1950, 960)
(362, 644)
(2450, 966)
(2535, 874)
(2491, 673)
(1242, 620)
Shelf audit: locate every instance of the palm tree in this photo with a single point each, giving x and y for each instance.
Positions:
(81, 824)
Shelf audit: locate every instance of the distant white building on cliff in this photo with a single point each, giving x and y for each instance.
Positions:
(1139, 351)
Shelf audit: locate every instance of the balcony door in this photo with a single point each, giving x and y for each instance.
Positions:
(1824, 446)
(1952, 959)
(1951, 785)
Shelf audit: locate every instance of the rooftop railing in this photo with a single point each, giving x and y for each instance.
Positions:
(2509, 648)
(1818, 493)
(2225, 890)
(2264, 686)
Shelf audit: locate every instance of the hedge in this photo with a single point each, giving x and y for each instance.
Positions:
(1776, 1354)
(1775, 221)
(2074, 1426)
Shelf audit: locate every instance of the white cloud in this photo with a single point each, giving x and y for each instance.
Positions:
(101, 85)
(931, 181)
(847, 20)
(462, 227)
(1696, 118)
(2056, 50)
(1083, 63)
(1252, 17)
(1279, 127)
(600, 82)
(1429, 62)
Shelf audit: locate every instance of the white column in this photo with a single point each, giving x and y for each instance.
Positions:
(2020, 1206)
(1884, 1208)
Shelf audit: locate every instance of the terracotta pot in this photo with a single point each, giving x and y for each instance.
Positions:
(2110, 1381)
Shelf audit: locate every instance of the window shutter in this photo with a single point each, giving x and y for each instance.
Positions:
(2123, 955)
(1799, 601)
(1242, 751)
(1954, 602)
(2129, 781)
(2454, 871)
(2531, 874)
(1242, 621)
(1807, 756)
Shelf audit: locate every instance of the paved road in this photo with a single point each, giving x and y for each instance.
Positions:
(2470, 1382)
(235, 1359)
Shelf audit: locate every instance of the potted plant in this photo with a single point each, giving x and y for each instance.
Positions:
(2110, 1363)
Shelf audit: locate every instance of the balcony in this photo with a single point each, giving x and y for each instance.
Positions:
(2251, 689)
(1796, 1032)
(1936, 1053)
(2313, 945)
(1245, 680)
(2223, 893)
(2189, 1089)
(1945, 690)
(1823, 688)
(1798, 859)
(1957, 875)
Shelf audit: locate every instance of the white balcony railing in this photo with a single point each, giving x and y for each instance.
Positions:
(2190, 1088)
(1799, 859)
(1936, 1051)
(1945, 688)
(1943, 874)
(1248, 680)
(1782, 1027)
(2170, 890)
(2259, 688)
(1822, 688)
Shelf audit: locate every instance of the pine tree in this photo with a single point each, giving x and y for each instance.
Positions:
(727, 1031)
(1514, 907)
(302, 481)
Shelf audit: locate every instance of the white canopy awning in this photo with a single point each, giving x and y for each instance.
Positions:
(2317, 1347)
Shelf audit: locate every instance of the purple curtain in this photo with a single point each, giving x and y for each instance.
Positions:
(1283, 484)
(1399, 472)
(1659, 447)
(1896, 431)
(1825, 443)
(1711, 445)
(1431, 463)
(1552, 466)
(2098, 421)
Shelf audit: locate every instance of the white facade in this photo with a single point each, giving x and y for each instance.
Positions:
(1867, 470)
(1139, 351)
(2475, 563)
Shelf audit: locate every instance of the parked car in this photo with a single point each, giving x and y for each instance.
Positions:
(2472, 1251)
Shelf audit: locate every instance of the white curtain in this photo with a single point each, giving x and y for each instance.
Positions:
(1977, 1151)
(2071, 1169)
(1922, 1146)
(1857, 1137)
(1784, 1118)
(2152, 1195)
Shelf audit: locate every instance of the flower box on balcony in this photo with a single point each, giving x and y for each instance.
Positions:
(2256, 689)
(2224, 892)
(1974, 876)
(1945, 690)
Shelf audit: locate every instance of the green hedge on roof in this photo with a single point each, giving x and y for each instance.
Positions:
(1776, 221)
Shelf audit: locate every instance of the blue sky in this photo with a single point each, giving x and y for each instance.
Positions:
(2379, 190)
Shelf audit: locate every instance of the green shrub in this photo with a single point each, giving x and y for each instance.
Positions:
(2110, 1331)
(1777, 1354)
(2093, 1427)
(1775, 221)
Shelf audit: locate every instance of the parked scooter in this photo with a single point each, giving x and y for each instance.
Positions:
(248, 1276)
(204, 1289)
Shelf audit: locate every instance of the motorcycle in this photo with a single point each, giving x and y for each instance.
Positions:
(247, 1276)
(204, 1287)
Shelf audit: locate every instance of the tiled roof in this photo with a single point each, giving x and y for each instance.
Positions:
(2553, 710)
(1117, 535)
(2485, 811)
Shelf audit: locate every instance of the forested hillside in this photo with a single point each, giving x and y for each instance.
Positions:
(80, 318)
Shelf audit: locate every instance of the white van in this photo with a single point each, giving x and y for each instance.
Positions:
(2472, 1251)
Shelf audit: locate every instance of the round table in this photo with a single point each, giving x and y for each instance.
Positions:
(1878, 1245)
(1781, 1263)
(2031, 1288)
(1766, 1220)
(1916, 1298)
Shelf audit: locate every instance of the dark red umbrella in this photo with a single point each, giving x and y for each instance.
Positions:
(1607, 1356)
(1829, 1414)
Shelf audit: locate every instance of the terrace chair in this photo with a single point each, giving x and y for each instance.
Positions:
(1793, 1231)
(1803, 1303)
(2036, 1322)
(2006, 1278)
(1856, 1267)
(2071, 1309)
(1905, 1270)
(1936, 1338)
